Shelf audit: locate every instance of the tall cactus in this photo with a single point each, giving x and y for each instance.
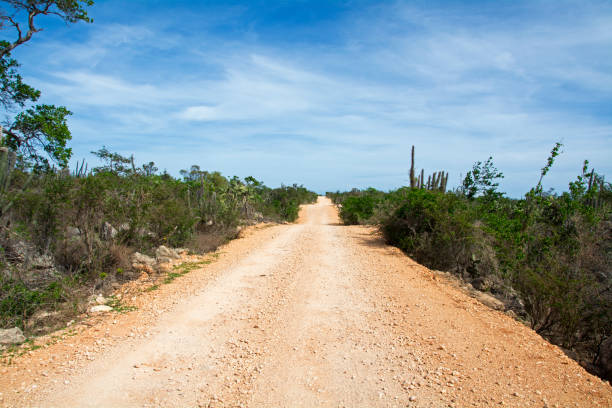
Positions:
(6, 167)
(444, 182)
(413, 181)
(7, 162)
(437, 181)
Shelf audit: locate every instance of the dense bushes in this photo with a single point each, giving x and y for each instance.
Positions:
(62, 233)
(433, 228)
(548, 256)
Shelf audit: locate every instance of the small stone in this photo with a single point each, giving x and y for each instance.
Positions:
(11, 336)
(412, 398)
(100, 309)
(165, 253)
(138, 258)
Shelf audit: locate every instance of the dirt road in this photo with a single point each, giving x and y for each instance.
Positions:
(313, 314)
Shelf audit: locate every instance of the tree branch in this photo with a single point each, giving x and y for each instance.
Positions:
(69, 11)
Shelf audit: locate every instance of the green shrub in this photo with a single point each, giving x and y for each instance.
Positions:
(18, 302)
(357, 210)
(549, 256)
(434, 228)
(89, 223)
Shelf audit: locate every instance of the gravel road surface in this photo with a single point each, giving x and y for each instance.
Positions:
(313, 314)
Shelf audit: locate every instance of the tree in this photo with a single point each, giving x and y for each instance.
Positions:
(481, 179)
(42, 128)
(13, 91)
(39, 134)
(22, 14)
(114, 163)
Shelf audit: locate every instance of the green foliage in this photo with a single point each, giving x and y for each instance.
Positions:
(13, 91)
(116, 163)
(18, 302)
(434, 228)
(118, 306)
(88, 224)
(40, 129)
(549, 256)
(40, 133)
(482, 180)
(285, 201)
(359, 207)
(549, 162)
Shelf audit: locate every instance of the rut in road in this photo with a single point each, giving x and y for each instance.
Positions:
(307, 315)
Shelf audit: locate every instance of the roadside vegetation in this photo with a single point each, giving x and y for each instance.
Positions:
(67, 234)
(547, 256)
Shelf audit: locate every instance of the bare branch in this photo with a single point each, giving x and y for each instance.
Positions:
(70, 12)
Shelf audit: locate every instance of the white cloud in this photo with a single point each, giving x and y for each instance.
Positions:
(458, 92)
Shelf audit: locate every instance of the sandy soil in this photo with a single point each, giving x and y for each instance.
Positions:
(312, 314)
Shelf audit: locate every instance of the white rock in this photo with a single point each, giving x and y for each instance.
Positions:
(108, 231)
(100, 309)
(165, 252)
(100, 300)
(139, 258)
(489, 300)
(11, 336)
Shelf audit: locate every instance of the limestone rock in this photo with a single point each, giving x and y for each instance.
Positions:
(11, 336)
(489, 300)
(165, 252)
(138, 258)
(100, 309)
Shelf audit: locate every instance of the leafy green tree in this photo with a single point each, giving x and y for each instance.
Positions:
(482, 180)
(42, 128)
(149, 169)
(113, 162)
(549, 162)
(13, 91)
(38, 135)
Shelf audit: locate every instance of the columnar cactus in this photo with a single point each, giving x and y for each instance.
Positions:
(413, 181)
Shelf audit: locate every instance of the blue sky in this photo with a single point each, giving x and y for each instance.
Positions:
(332, 94)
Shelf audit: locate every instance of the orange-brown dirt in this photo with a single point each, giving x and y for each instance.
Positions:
(313, 314)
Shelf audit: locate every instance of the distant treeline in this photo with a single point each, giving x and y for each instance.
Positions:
(548, 256)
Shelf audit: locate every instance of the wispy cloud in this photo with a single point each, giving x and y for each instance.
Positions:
(458, 82)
